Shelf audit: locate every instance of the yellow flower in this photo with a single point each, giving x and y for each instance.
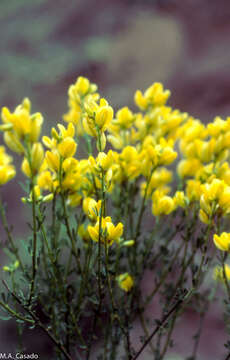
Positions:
(80, 94)
(125, 282)
(82, 85)
(124, 118)
(104, 116)
(53, 160)
(24, 125)
(13, 143)
(84, 234)
(91, 208)
(67, 147)
(188, 167)
(37, 157)
(105, 161)
(162, 204)
(213, 190)
(168, 155)
(109, 232)
(159, 178)
(7, 171)
(203, 216)
(224, 200)
(97, 117)
(180, 199)
(74, 199)
(193, 190)
(45, 181)
(222, 242)
(216, 127)
(154, 96)
(130, 164)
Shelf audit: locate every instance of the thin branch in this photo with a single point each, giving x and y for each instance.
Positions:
(162, 322)
(39, 324)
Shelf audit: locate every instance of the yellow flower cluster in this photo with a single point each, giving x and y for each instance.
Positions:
(105, 230)
(20, 126)
(143, 146)
(88, 112)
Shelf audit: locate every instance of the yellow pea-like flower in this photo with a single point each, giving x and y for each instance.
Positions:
(74, 199)
(7, 172)
(222, 242)
(105, 161)
(140, 100)
(53, 160)
(216, 127)
(37, 157)
(109, 232)
(180, 199)
(124, 118)
(67, 147)
(24, 126)
(203, 216)
(224, 200)
(163, 205)
(155, 95)
(91, 208)
(13, 143)
(205, 204)
(167, 156)
(45, 180)
(35, 127)
(187, 167)
(193, 190)
(125, 281)
(213, 190)
(89, 126)
(82, 85)
(104, 116)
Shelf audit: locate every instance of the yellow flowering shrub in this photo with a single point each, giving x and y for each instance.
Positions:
(152, 193)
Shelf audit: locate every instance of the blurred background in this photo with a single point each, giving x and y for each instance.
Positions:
(122, 45)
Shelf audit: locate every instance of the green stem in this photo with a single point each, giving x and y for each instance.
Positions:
(34, 259)
(8, 233)
(38, 323)
(14, 313)
(70, 234)
(142, 208)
